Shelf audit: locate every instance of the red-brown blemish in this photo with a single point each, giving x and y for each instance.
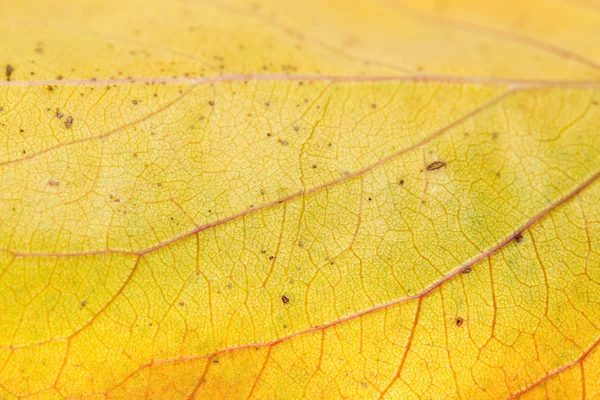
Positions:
(436, 165)
(519, 237)
(9, 71)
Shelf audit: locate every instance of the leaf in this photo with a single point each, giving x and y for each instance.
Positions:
(316, 199)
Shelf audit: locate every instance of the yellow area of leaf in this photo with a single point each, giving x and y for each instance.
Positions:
(316, 199)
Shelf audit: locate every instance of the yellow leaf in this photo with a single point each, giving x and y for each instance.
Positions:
(299, 199)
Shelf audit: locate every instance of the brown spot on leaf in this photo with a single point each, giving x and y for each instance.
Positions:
(459, 321)
(9, 71)
(285, 299)
(69, 122)
(519, 237)
(53, 182)
(436, 165)
(467, 270)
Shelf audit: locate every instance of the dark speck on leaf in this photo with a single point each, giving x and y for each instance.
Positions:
(459, 321)
(436, 165)
(285, 299)
(9, 71)
(467, 270)
(211, 103)
(519, 237)
(69, 122)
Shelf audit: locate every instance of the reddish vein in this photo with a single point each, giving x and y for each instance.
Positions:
(425, 78)
(288, 198)
(104, 135)
(455, 272)
(502, 35)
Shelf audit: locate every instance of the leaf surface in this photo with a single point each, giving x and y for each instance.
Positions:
(317, 199)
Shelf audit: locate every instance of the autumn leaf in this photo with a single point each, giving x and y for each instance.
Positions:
(299, 199)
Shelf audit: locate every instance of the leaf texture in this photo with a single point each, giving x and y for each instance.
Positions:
(319, 199)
